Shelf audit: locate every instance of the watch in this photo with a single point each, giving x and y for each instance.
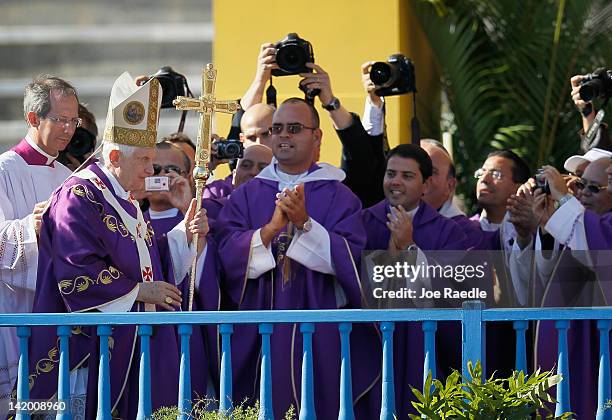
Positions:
(333, 105)
(307, 226)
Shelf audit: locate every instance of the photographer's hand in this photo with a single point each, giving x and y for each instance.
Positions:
(266, 62)
(179, 195)
(368, 85)
(558, 186)
(320, 80)
(580, 104)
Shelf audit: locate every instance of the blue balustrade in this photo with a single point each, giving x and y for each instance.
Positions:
(63, 381)
(265, 386)
(346, 382)
(604, 393)
(387, 407)
(225, 400)
(472, 316)
(184, 395)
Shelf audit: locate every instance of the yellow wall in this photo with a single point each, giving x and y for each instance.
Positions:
(344, 34)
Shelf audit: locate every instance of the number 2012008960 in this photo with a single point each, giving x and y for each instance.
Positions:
(36, 406)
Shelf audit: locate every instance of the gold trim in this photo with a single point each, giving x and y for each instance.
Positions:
(82, 283)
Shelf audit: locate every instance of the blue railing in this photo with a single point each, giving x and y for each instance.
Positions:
(472, 317)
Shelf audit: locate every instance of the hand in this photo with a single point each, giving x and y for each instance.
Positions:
(39, 209)
(543, 208)
(142, 79)
(180, 194)
(156, 292)
(293, 204)
(520, 207)
(527, 187)
(368, 85)
(196, 223)
(400, 225)
(558, 186)
(266, 62)
(274, 226)
(575, 82)
(318, 80)
(570, 182)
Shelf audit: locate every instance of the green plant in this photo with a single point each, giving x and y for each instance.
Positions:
(505, 67)
(204, 410)
(514, 398)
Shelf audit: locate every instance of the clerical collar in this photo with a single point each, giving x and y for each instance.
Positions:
(317, 172)
(32, 153)
(119, 191)
(164, 214)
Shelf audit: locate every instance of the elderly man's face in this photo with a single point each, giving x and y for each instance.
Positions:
(442, 187)
(132, 170)
(596, 178)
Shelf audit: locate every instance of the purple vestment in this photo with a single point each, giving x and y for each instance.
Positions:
(333, 206)
(88, 259)
(431, 231)
(219, 188)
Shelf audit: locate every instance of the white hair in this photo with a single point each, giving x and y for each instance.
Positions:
(108, 147)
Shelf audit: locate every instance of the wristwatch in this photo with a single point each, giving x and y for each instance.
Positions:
(564, 200)
(333, 105)
(307, 226)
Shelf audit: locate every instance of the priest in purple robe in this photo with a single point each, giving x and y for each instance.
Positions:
(291, 238)
(403, 221)
(98, 252)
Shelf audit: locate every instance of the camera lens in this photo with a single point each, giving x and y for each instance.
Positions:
(82, 142)
(590, 90)
(380, 73)
(291, 58)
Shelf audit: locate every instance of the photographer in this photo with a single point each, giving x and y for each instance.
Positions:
(602, 138)
(83, 142)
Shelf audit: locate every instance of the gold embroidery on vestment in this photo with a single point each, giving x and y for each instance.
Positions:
(82, 283)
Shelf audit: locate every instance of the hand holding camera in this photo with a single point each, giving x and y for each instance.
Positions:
(550, 177)
(368, 84)
(317, 84)
(176, 189)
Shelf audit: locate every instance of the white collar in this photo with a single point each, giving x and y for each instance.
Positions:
(32, 143)
(450, 210)
(164, 214)
(114, 182)
(325, 172)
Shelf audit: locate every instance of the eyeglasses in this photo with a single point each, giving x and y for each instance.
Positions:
(167, 169)
(66, 122)
(264, 135)
(593, 189)
(495, 174)
(292, 128)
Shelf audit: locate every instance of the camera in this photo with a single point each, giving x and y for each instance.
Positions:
(541, 181)
(597, 85)
(157, 183)
(394, 77)
(173, 84)
(228, 149)
(81, 143)
(292, 54)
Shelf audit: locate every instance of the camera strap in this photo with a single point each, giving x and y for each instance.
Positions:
(589, 137)
(184, 114)
(271, 94)
(414, 123)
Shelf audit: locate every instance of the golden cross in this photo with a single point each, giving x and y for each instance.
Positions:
(206, 105)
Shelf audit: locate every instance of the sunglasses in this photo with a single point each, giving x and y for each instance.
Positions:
(592, 188)
(167, 169)
(292, 128)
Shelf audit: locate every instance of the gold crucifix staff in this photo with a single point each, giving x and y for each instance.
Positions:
(206, 105)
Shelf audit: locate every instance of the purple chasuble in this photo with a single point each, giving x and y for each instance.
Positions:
(336, 208)
(431, 231)
(204, 339)
(87, 258)
(219, 188)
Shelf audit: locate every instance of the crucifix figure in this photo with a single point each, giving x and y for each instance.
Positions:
(206, 105)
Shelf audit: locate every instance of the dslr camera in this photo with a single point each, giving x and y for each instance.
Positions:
(81, 143)
(395, 77)
(173, 84)
(228, 149)
(597, 85)
(292, 54)
(541, 181)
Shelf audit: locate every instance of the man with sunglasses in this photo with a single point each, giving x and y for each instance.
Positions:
(29, 173)
(291, 238)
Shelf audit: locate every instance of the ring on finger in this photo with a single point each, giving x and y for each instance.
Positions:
(169, 300)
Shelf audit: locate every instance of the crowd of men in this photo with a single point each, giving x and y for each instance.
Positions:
(283, 231)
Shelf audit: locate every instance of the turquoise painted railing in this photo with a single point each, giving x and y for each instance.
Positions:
(472, 316)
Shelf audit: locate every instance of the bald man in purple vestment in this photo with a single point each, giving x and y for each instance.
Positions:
(291, 238)
(98, 252)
